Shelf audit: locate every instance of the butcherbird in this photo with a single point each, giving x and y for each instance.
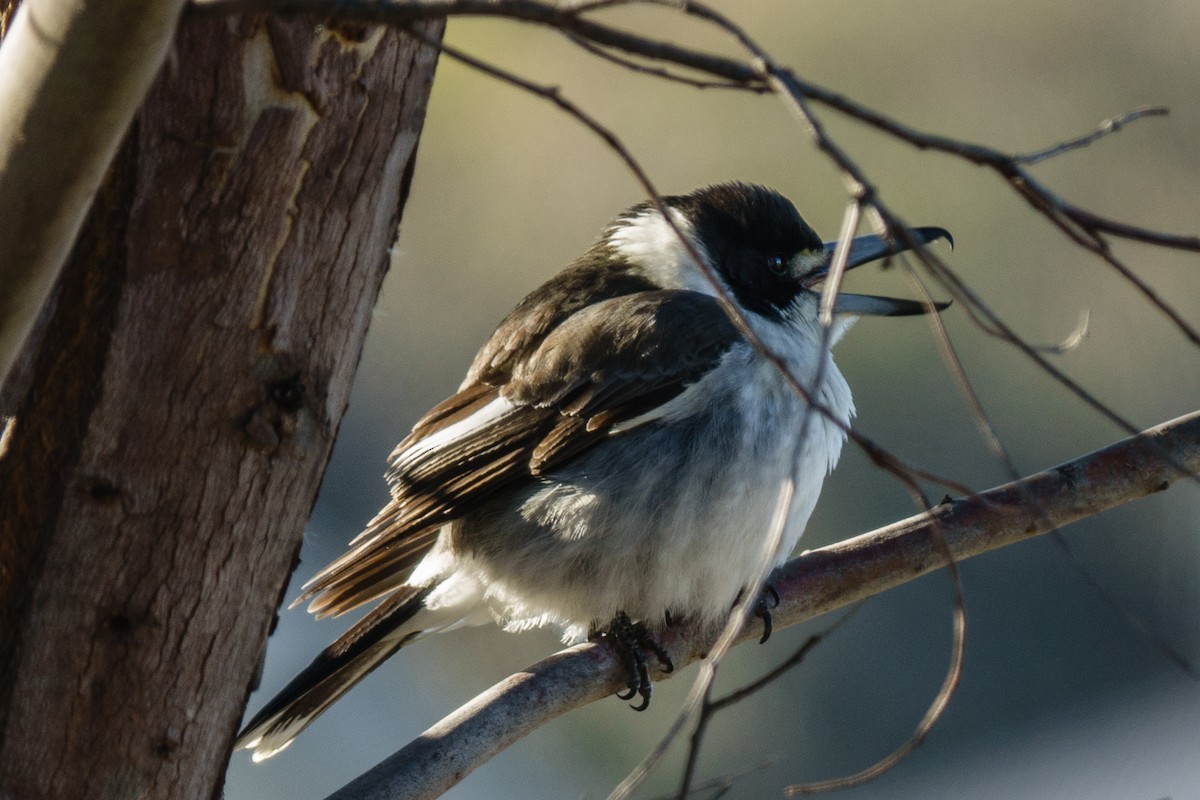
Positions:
(613, 457)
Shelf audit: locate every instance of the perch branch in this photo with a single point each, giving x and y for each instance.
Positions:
(814, 583)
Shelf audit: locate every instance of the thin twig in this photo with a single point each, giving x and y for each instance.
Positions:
(785, 666)
(966, 389)
(1131, 620)
(1072, 339)
(932, 715)
(1109, 126)
(661, 72)
(722, 784)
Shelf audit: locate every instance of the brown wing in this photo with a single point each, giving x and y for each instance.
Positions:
(607, 363)
(595, 276)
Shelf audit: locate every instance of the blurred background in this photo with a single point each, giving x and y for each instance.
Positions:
(1060, 697)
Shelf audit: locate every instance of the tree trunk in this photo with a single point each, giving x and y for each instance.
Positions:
(175, 409)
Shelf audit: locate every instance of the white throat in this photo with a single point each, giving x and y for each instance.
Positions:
(649, 241)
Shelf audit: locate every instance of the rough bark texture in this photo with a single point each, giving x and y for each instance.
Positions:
(175, 411)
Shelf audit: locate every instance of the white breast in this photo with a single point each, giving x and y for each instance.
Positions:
(670, 515)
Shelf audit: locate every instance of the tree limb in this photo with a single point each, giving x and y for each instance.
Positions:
(816, 582)
(72, 75)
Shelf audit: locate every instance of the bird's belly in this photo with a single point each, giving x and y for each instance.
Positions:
(669, 517)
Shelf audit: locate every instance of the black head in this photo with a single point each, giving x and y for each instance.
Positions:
(753, 237)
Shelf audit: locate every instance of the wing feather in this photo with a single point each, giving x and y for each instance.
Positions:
(609, 362)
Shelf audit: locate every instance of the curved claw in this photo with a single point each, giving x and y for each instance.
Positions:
(763, 611)
(644, 685)
(632, 641)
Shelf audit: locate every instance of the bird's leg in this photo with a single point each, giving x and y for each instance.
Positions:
(768, 599)
(632, 640)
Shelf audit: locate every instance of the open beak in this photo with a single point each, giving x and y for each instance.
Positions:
(865, 249)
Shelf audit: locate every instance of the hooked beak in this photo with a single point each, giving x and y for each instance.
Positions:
(873, 247)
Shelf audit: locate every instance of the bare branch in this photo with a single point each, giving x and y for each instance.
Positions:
(781, 669)
(815, 583)
(571, 20)
(1093, 221)
(711, 706)
(661, 72)
(1105, 128)
(70, 82)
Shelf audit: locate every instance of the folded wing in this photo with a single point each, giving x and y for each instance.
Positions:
(610, 362)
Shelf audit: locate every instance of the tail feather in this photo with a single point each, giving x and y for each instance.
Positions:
(332, 673)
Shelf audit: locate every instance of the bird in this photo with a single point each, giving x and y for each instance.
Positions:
(612, 460)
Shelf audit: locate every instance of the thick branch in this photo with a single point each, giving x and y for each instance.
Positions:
(72, 75)
(816, 582)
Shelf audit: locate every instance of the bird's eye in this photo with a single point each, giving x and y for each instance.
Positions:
(777, 264)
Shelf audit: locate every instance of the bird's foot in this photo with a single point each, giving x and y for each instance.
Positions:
(768, 600)
(763, 610)
(632, 641)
